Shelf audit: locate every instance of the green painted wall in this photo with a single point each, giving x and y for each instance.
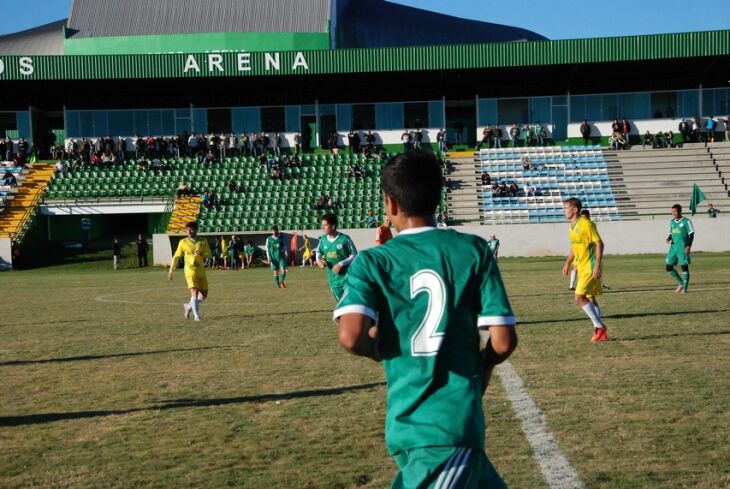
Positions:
(68, 228)
(198, 43)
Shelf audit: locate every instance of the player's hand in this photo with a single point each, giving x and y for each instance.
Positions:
(686, 250)
(336, 269)
(669, 241)
(566, 270)
(169, 275)
(320, 264)
(597, 273)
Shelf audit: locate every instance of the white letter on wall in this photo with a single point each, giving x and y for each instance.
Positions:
(191, 64)
(272, 61)
(26, 66)
(300, 61)
(244, 61)
(215, 60)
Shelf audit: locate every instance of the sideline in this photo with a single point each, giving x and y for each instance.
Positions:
(555, 467)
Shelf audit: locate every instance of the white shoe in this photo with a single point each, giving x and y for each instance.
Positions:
(186, 308)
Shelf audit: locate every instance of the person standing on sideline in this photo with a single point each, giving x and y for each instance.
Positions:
(587, 253)
(117, 253)
(142, 248)
(336, 251)
(681, 236)
(293, 248)
(194, 251)
(306, 249)
(276, 256)
(421, 318)
(383, 233)
(493, 243)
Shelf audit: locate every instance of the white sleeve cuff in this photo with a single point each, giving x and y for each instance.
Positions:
(354, 309)
(496, 321)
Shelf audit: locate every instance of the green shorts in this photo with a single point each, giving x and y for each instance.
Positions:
(445, 467)
(277, 264)
(677, 255)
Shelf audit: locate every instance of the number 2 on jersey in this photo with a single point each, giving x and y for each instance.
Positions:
(426, 341)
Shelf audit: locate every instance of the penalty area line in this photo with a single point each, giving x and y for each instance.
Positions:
(554, 465)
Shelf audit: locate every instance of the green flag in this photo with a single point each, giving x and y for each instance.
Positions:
(697, 197)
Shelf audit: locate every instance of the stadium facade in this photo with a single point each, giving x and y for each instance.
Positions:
(165, 67)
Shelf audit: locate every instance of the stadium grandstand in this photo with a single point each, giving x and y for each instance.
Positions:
(243, 115)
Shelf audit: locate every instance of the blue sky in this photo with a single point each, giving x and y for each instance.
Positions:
(556, 19)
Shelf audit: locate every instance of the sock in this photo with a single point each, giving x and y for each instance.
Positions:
(195, 307)
(598, 311)
(276, 279)
(676, 276)
(593, 315)
(573, 276)
(685, 280)
(282, 276)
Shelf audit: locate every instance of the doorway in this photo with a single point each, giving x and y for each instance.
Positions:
(461, 115)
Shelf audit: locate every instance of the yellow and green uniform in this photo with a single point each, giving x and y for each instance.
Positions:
(194, 265)
(428, 291)
(333, 250)
(583, 238)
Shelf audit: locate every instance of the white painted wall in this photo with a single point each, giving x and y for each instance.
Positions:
(505, 130)
(6, 254)
(620, 237)
(62, 209)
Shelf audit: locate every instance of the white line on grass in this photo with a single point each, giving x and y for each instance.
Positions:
(555, 467)
(111, 298)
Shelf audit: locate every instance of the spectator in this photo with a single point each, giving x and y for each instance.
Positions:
(209, 157)
(116, 253)
(353, 141)
(514, 135)
(698, 129)
(370, 140)
(205, 200)
(726, 121)
(526, 134)
(486, 178)
(529, 190)
(526, 163)
(297, 143)
(332, 141)
(306, 250)
(458, 130)
(383, 234)
(710, 124)
(712, 211)
(9, 179)
(442, 219)
(513, 189)
(487, 136)
(405, 139)
(669, 112)
(233, 252)
(182, 190)
(498, 133)
(441, 140)
(370, 220)
(250, 253)
(540, 134)
(684, 130)
(669, 139)
(585, 132)
(245, 151)
(417, 138)
(142, 249)
(648, 140)
(659, 140)
(275, 144)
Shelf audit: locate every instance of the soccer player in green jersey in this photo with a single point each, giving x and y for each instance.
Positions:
(335, 251)
(276, 256)
(681, 235)
(417, 303)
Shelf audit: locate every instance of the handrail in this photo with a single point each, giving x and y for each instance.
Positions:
(161, 227)
(28, 216)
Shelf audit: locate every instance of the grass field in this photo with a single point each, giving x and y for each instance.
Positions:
(104, 385)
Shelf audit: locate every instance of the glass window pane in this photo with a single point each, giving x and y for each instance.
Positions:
(415, 114)
(363, 116)
(121, 123)
(539, 109)
(23, 123)
(436, 114)
(200, 121)
(635, 105)
(72, 124)
(389, 116)
(246, 119)
(101, 123)
(86, 124)
(155, 122)
(327, 109)
(344, 117)
(610, 107)
(293, 118)
(687, 103)
(577, 108)
(560, 100)
(512, 111)
(182, 113)
(663, 102)
(168, 122)
(487, 111)
(273, 119)
(140, 123)
(594, 110)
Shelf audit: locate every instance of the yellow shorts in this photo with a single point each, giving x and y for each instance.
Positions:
(586, 284)
(196, 280)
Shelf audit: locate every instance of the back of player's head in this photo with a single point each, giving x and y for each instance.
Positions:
(414, 181)
(574, 202)
(331, 219)
(275, 229)
(192, 225)
(678, 207)
(585, 213)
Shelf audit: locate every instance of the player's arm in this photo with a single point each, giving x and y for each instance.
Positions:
(205, 250)
(599, 259)
(175, 258)
(690, 237)
(358, 335)
(346, 262)
(568, 262)
(502, 342)
(268, 254)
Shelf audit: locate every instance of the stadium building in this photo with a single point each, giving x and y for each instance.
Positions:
(162, 68)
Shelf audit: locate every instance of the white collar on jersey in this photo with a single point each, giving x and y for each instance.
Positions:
(416, 230)
(332, 239)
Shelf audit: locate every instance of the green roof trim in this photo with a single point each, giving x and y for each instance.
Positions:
(381, 60)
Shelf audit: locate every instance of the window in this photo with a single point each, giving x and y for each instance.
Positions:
(273, 119)
(663, 103)
(121, 123)
(512, 111)
(415, 114)
(363, 116)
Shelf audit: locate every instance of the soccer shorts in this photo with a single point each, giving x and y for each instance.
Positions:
(677, 255)
(196, 280)
(277, 264)
(337, 285)
(586, 284)
(445, 467)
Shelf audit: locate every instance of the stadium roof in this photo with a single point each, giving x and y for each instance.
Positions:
(378, 23)
(104, 18)
(46, 39)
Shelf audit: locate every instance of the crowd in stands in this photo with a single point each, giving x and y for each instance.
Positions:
(17, 152)
(527, 135)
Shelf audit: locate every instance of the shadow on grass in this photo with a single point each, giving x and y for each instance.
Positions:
(625, 290)
(84, 358)
(683, 335)
(625, 316)
(32, 419)
(268, 313)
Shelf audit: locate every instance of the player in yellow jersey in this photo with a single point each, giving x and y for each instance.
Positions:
(195, 251)
(587, 253)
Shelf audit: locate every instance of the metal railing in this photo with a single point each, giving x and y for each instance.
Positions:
(161, 227)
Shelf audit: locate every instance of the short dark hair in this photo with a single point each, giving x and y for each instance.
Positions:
(414, 181)
(586, 213)
(575, 202)
(192, 224)
(331, 219)
(678, 207)
(275, 228)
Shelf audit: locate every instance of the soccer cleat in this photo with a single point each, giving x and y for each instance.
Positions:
(282, 285)
(186, 308)
(599, 335)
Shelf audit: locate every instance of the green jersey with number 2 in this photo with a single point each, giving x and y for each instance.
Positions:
(428, 290)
